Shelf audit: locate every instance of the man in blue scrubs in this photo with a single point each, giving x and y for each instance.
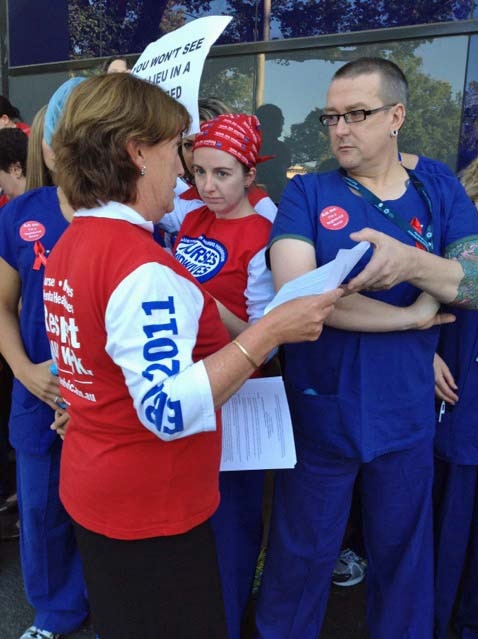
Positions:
(362, 397)
(456, 478)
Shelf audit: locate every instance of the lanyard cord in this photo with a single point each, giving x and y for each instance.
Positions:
(425, 241)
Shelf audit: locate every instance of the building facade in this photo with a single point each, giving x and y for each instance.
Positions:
(274, 52)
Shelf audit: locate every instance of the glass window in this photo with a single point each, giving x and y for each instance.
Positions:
(305, 18)
(295, 83)
(96, 28)
(469, 125)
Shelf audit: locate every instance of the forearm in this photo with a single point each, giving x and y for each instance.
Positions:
(229, 368)
(439, 276)
(232, 322)
(465, 254)
(452, 279)
(364, 314)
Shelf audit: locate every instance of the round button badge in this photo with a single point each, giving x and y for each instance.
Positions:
(334, 218)
(32, 231)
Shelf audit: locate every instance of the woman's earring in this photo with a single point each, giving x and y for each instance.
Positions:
(142, 171)
(394, 133)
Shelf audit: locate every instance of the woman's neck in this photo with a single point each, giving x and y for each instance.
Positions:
(243, 209)
(65, 206)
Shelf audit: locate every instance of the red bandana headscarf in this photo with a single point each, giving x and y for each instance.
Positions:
(237, 134)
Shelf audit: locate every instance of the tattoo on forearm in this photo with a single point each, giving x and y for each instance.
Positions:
(465, 251)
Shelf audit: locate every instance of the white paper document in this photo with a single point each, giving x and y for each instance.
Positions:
(256, 427)
(322, 279)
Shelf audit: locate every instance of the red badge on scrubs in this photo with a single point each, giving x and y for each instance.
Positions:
(32, 231)
(40, 256)
(334, 218)
(415, 223)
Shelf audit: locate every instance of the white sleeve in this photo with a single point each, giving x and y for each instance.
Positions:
(171, 222)
(181, 186)
(152, 320)
(266, 207)
(260, 287)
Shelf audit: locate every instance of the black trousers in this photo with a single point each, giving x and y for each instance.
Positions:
(158, 588)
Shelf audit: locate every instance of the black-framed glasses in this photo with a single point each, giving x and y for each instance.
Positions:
(357, 115)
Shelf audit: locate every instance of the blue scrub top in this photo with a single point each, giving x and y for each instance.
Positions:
(433, 166)
(33, 217)
(456, 438)
(360, 395)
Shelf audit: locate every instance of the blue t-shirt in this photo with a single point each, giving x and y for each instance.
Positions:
(30, 225)
(360, 395)
(433, 166)
(456, 438)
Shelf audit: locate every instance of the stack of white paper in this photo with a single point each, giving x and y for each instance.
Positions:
(322, 279)
(257, 428)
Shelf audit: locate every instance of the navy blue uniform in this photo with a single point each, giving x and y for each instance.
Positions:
(29, 228)
(456, 482)
(359, 402)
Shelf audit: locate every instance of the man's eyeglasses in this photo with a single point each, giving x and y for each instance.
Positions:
(358, 115)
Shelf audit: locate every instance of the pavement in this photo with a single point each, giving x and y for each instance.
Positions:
(15, 613)
(345, 615)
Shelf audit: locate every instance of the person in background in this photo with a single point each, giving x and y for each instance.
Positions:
(29, 227)
(10, 117)
(144, 365)
(273, 174)
(469, 179)
(116, 64)
(13, 159)
(13, 156)
(38, 175)
(40, 159)
(188, 199)
(209, 108)
(234, 236)
(362, 400)
(456, 467)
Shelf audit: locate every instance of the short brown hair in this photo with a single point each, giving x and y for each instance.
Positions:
(393, 85)
(102, 115)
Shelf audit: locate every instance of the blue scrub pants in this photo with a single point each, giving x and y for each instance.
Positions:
(237, 527)
(310, 512)
(52, 573)
(456, 548)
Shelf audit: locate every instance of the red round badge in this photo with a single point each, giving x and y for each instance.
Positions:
(334, 218)
(32, 231)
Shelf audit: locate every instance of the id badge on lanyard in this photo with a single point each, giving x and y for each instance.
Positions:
(412, 228)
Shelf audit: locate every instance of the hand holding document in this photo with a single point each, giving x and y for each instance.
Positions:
(322, 279)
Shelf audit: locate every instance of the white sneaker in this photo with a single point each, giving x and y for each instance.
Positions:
(349, 569)
(36, 633)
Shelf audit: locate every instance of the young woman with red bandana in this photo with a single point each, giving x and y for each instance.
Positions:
(222, 244)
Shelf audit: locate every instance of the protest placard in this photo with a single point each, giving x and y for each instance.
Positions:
(175, 62)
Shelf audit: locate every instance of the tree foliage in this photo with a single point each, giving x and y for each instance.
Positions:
(105, 27)
(431, 127)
